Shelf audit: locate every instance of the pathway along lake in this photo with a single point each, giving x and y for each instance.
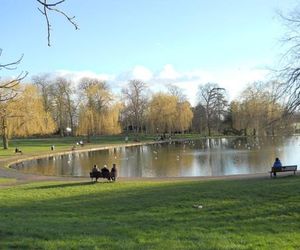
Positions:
(205, 157)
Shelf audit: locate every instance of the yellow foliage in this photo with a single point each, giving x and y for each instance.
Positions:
(26, 114)
(94, 122)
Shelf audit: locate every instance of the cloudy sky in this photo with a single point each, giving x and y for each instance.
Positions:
(182, 42)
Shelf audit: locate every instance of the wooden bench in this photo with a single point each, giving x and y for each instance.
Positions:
(99, 174)
(95, 175)
(290, 168)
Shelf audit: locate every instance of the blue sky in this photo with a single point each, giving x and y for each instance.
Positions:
(183, 42)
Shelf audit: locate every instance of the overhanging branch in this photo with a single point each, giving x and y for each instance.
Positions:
(48, 7)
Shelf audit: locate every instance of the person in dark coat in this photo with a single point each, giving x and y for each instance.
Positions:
(276, 166)
(95, 169)
(113, 172)
(105, 172)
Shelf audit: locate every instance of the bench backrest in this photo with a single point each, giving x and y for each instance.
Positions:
(290, 168)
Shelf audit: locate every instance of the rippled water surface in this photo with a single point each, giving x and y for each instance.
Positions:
(206, 157)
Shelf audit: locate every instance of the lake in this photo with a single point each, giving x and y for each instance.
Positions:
(205, 157)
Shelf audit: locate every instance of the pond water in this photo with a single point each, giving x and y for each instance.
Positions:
(205, 157)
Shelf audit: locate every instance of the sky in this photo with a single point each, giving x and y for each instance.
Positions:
(181, 42)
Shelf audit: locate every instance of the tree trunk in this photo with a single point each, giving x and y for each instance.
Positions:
(72, 126)
(5, 141)
(4, 133)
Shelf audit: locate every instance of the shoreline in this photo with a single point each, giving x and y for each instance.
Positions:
(21, 178)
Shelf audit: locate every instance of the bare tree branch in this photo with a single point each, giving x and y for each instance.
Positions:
(8, 89)
(48, 7)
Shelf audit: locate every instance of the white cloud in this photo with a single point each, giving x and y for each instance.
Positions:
(233, 80)
(168, 72)
(141, 73)
(75, 76)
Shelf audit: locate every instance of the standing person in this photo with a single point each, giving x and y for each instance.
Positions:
(113, 172)
(276, 166)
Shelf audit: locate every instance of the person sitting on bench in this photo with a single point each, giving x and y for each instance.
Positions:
(276, 166)
(105, 172)
(95, 169)
(18, 151)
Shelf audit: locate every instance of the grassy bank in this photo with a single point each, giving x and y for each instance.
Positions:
(235, 214)
(36, 146)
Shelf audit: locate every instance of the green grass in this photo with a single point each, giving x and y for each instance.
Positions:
(7, 180)
(36, 146)
(236, 214)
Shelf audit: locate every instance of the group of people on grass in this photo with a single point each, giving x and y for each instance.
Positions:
(110, 175)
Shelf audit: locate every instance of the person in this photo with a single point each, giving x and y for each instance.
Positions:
(113, 172)
(95, 173)
(95, 169)
(276, 166)
(52, 147)
(17, 150)
(105, 172)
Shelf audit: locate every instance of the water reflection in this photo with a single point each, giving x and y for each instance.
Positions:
(206, 157)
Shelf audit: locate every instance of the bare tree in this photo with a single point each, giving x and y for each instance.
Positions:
(44, 85)
(212, 98)
(9, 88)
(135, 103)
(178, 92)
(64, 105)
(289, 75)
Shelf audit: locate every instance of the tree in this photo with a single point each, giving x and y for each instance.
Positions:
(212, 98)
(24, 115)
(95, 107)
(199, 119)
(64, 108)
(163, 113)
(44, 86)
(135, 99)
(9, 88)
(289, 75)
(184, 114)
(178, 92)
(257, 112)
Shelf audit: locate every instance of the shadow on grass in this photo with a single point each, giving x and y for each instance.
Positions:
(72, 184)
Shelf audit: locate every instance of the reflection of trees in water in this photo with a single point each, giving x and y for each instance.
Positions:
(204, 157)
(170, 159)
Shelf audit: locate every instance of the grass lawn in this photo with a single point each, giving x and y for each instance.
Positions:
(36, 146)
(7, 180)
(236, 214)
